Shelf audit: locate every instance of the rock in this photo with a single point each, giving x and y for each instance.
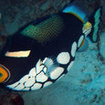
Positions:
(102, 45)
(46, 6)
(11, 99)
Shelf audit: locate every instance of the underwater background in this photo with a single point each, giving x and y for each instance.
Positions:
(85, 82)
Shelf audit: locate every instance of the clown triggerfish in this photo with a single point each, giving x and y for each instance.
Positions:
(44, 50)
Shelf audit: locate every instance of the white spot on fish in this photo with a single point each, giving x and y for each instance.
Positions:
(36, 86)
(24, 79)
(56, 73)
(73, 49)
(48, 61)
(41, 77)
(63, 58)
(13, 85)
(32, 72)
(80, 40)
(39, 66)
(47, 84)
(29, 82)
(70, 65)
(19, 87)
(45, 69)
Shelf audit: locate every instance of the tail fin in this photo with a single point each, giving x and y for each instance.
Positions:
(95, 20)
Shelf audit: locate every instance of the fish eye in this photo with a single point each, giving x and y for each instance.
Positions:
(4, 74)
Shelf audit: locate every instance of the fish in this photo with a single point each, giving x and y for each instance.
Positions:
(44, 50)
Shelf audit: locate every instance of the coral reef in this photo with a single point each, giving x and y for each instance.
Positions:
(11, 99)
